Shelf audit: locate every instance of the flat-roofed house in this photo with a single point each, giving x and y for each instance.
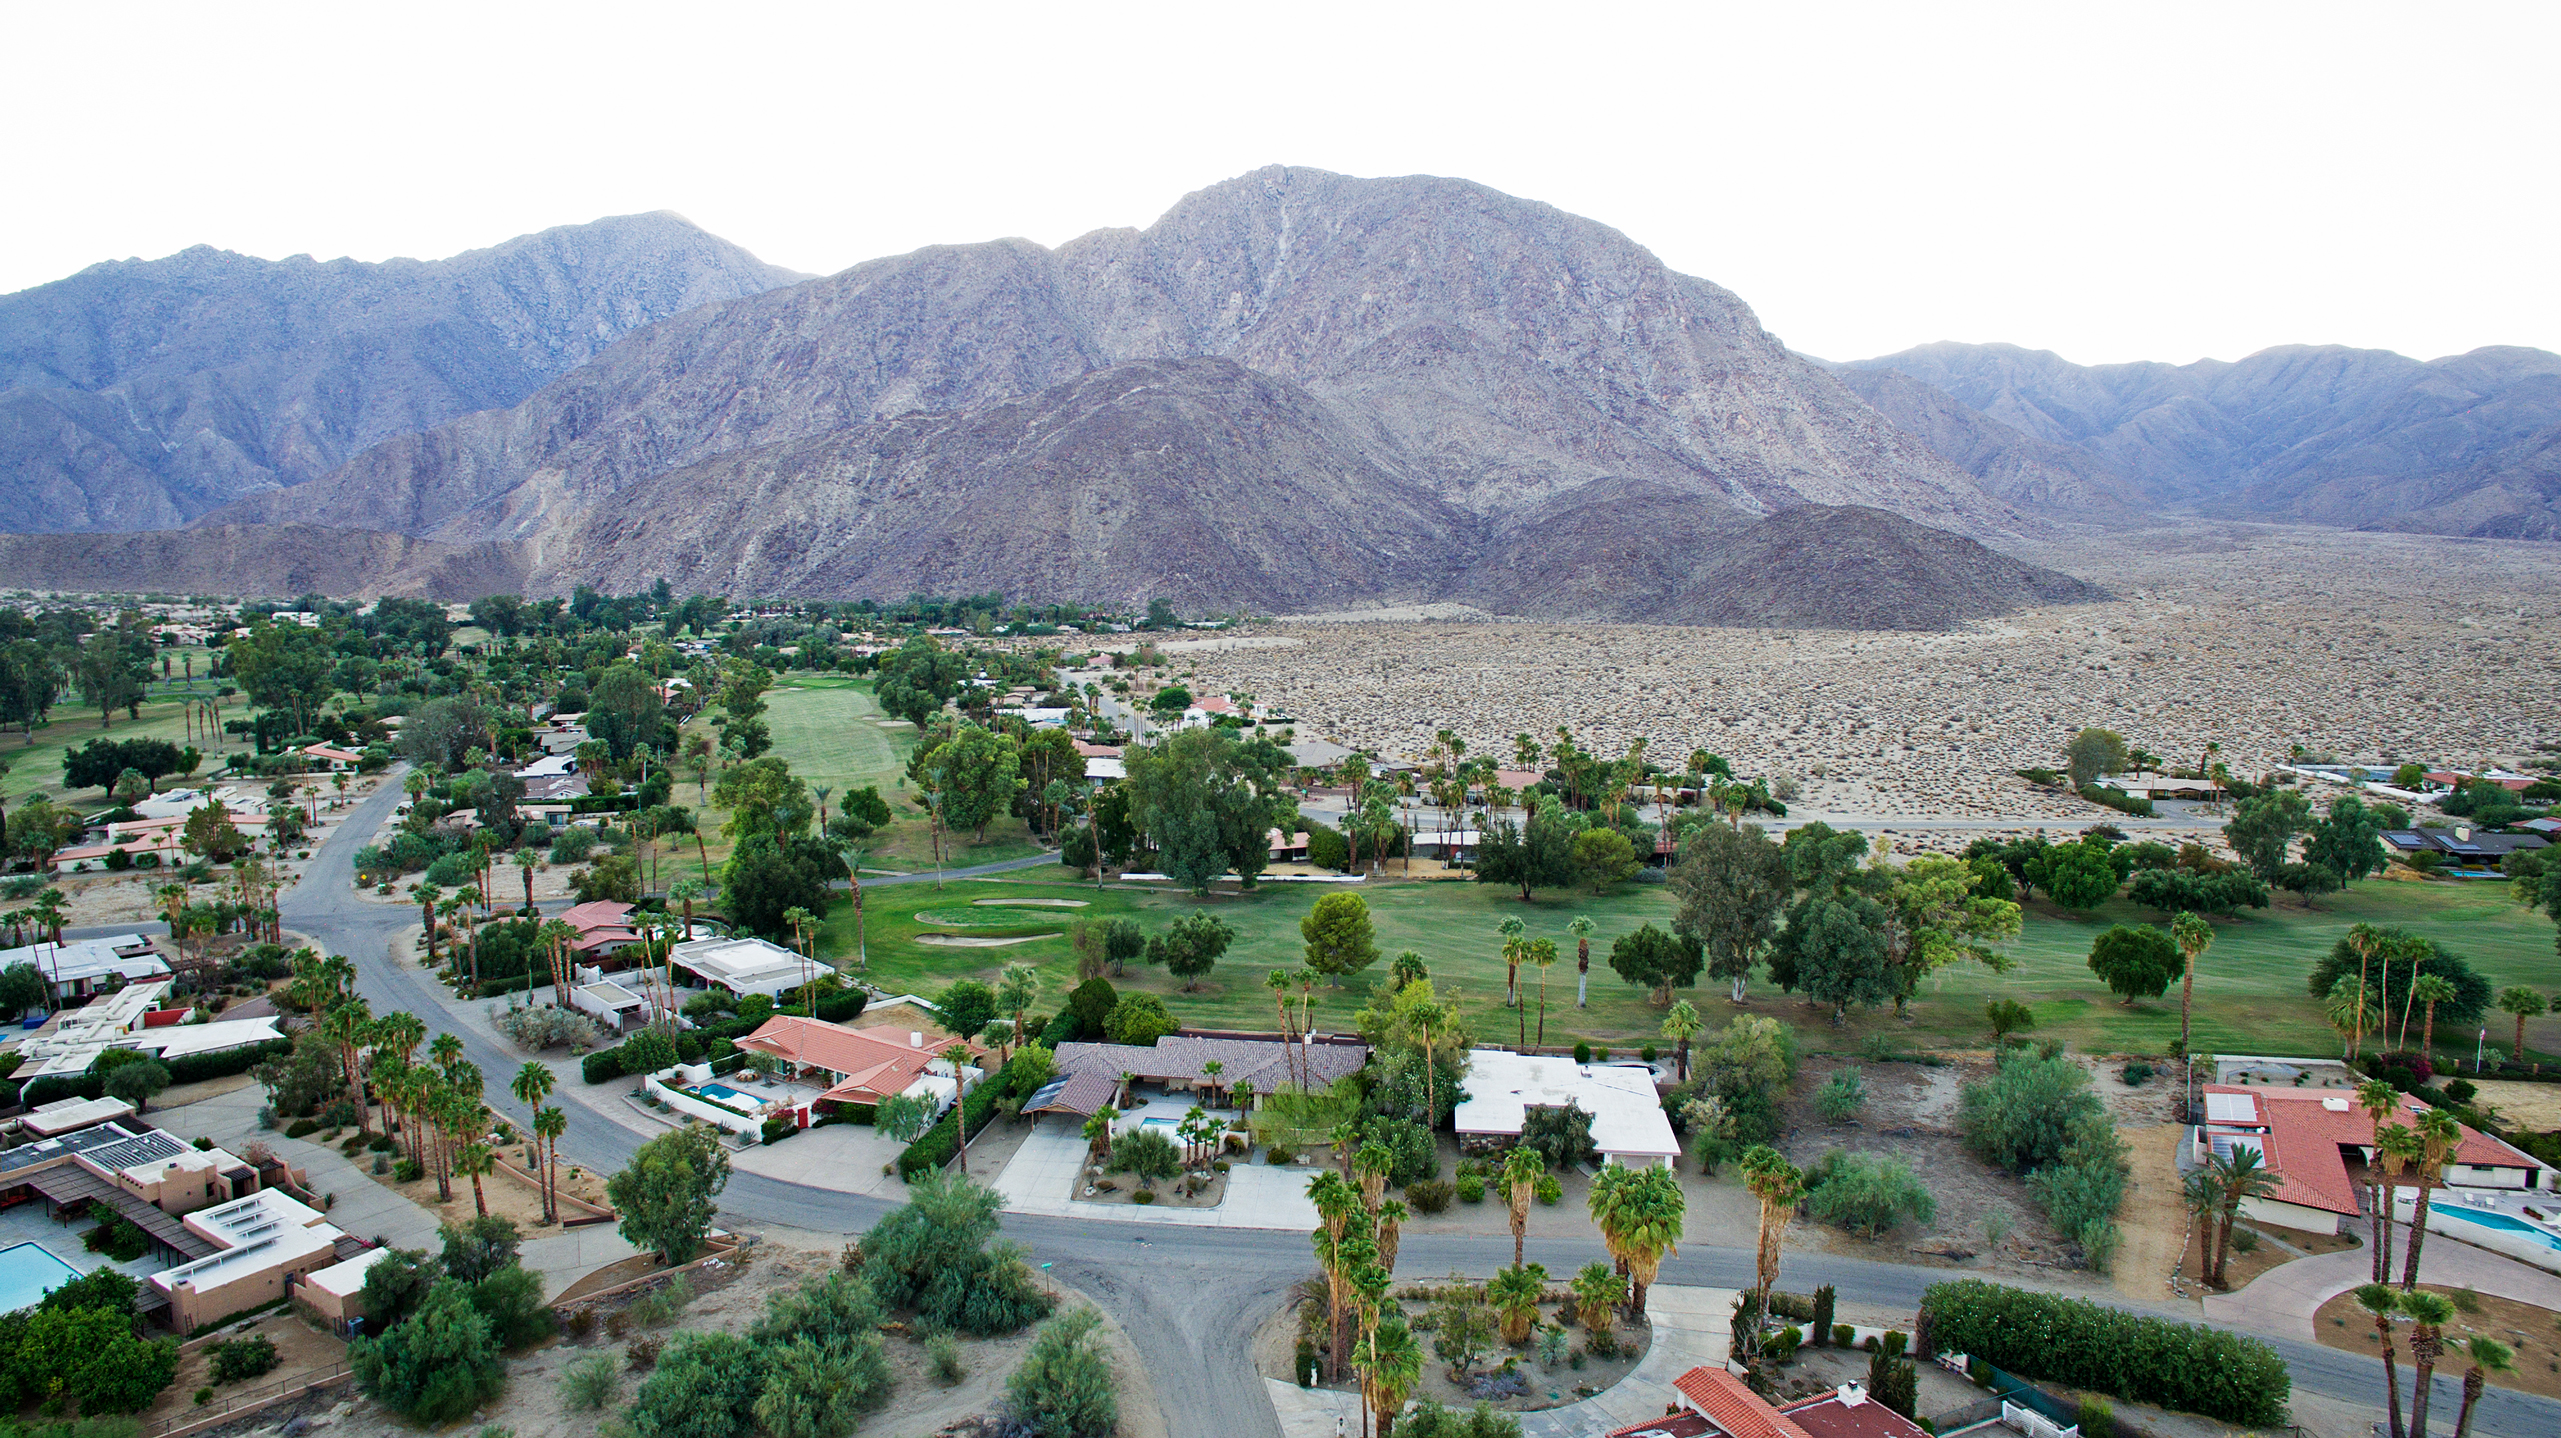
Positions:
(262, 1242)
(1628, 1126)
(744, 966)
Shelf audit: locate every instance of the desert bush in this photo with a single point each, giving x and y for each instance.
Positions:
(1471, 1189)
(1866, 1194)
(543, 1028)
(590, 1384)
(1148, 1154)
(2025, 1114)
(1064, 1388)
(240, 1358)
(1840, 1100)
(942, 1355)
(1429, 1196)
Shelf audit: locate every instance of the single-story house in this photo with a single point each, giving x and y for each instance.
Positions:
(2163, 786)
(262, 1244)
(331, 759)
(603, 928)
(1288, 848)
(556, 788)
(1097, 751)
(617, 1007)
(1099, 772)
(84, 966)
(2463, 843)
(2304, 1137)
(1085, 1077)
(1457, 846)
(333, 1294)
(1716, 1404)
(70, 1115)
(2507, 779)
(862, 1066)
(744, 965)
(550, 766)
(1628, 1124)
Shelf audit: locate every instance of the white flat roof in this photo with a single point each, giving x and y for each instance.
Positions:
(126, 954)
(1627, 1117)
(343, 1280)
(747, 965)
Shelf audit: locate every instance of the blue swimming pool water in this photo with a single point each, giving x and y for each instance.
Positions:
(720, 1091)
(1160, 1123)
(28, 1272)
(2500, 1220)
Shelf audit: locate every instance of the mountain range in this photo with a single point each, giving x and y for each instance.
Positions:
(1294, 390)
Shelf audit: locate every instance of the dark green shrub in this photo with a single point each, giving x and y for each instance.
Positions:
(1430, 1196)
(241, 1358)
(2082, 1345)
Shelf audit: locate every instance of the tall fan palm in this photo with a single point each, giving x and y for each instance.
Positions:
(2429, 1314)
(2380, 1101)
(2194, 936)
(2238, 1174)
(2439, 1137)
(1778, 1185)
(2381, 1301)
(2365, 939)
(1542, 955)
(1522, 1169)
(1580, 926)
(1512, 930)
(1680, 1026)
(549, 1124)
(2488, 1356)
(2430, 990)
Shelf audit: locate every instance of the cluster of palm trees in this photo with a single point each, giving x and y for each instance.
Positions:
(2356, 1008)
(1519, 950)
(1297, 1015)
(434, 1102)
(43, 916)
(1355, 1241)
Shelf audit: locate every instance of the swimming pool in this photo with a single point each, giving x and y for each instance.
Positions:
(721, 1091)
(1160, 1123)
(2505, 1222)
(28, 1271)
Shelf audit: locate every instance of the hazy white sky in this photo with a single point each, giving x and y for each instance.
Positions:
(2111, 182)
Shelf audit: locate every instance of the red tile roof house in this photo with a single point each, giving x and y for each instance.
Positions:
(2304, 1135)
(1716, 1404)
(603, 928)
(863, 1066)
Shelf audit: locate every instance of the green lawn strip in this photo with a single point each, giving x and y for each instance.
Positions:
(2250, 987)
(38, 766)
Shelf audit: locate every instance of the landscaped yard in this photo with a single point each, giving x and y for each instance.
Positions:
(2250, 986)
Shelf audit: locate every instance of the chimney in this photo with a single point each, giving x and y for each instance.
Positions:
(1852, 1395)
(915, 1040)
(2463, 833)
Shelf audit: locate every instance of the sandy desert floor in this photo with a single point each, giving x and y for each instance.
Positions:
(2373, 646)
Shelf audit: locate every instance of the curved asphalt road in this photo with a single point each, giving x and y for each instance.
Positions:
(1190, 1299)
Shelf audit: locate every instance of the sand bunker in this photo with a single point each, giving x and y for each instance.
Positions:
(964, 941)
(1030, 903)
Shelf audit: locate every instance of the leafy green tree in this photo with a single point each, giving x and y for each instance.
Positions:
(138, 1083)
(2094, 752)
(2263, 828)
(647, 1052)
(1934, 919)
(1604, 859)
(2135, 961)
(1338, 936)
(967, 1006)
(511, 1299)
(937, 1255)
(478, 1247)
(1064, 1387)
(1535, 854)
(2077, 876)
(1732, 885)
(439, 1365)
(1139, 1019)
(285, 667)
(981, 775)
(769, 876)
(2413, 957)
(1191, 946)
(1208, 801)
(665, 1195)
(2348, 841)
(1657, 962)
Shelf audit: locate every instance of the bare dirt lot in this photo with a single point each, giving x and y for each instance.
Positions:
(2530, 1330)
(1515, 1380)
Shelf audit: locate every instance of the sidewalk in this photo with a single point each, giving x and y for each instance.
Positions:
(2284, 1299)
(1039, 1180)
(1689, 1330)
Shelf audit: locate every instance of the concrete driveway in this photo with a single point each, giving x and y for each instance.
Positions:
(1039, 1180)
(2285, 1298)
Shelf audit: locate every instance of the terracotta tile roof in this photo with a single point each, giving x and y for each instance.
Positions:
(599, 914)
(1830, 1417)
(2304, 1134)
(875, 1062)
(1684, 1424)
(1734, 1409)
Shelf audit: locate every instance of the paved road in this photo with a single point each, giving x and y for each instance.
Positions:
(1190, 1299)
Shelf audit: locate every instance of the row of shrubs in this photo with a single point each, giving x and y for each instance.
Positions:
(186, 1068)
(929, 1153)
(2079, 1344)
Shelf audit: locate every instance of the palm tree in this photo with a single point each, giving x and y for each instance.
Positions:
(804, 926)
(474, 1159)
(2439, 1137)
(1598, 1291)
(1542, 953)
(1278, 982)
(1016, 992)
(2380, 1101)
(1580, 926)
(349, 1026)
(528, 859)
(2398, 1148)
(1098, 1132)
(2237, 1175)
(2429, 1314)
(2525, 1003)
(2415, 950)
(2365, 939)
(2344, 1006)
(1514, 1294)
(1649, 1208)
(2431, 990)
(1391, 1227)
(556, 937)
(1778, 1185)
(1512, 930)
(1338, 1207)
(685, 892)
(549, 1125)
(2488, 1356)
(1391, 1364)
(2194, 936)
(1680, 1026)
(428, 897)
(1522, 1169)
(957, 1055)
(2379, 1300)
(1210, 1072)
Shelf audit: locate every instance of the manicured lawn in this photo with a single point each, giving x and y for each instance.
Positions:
(2250, 986)
(831, 732)
(38, 766)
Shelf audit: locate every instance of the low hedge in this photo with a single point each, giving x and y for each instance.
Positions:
(943, 1140)
(2117, 799)
(2080, 1344)
(843, 1006)
(602, 1066)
